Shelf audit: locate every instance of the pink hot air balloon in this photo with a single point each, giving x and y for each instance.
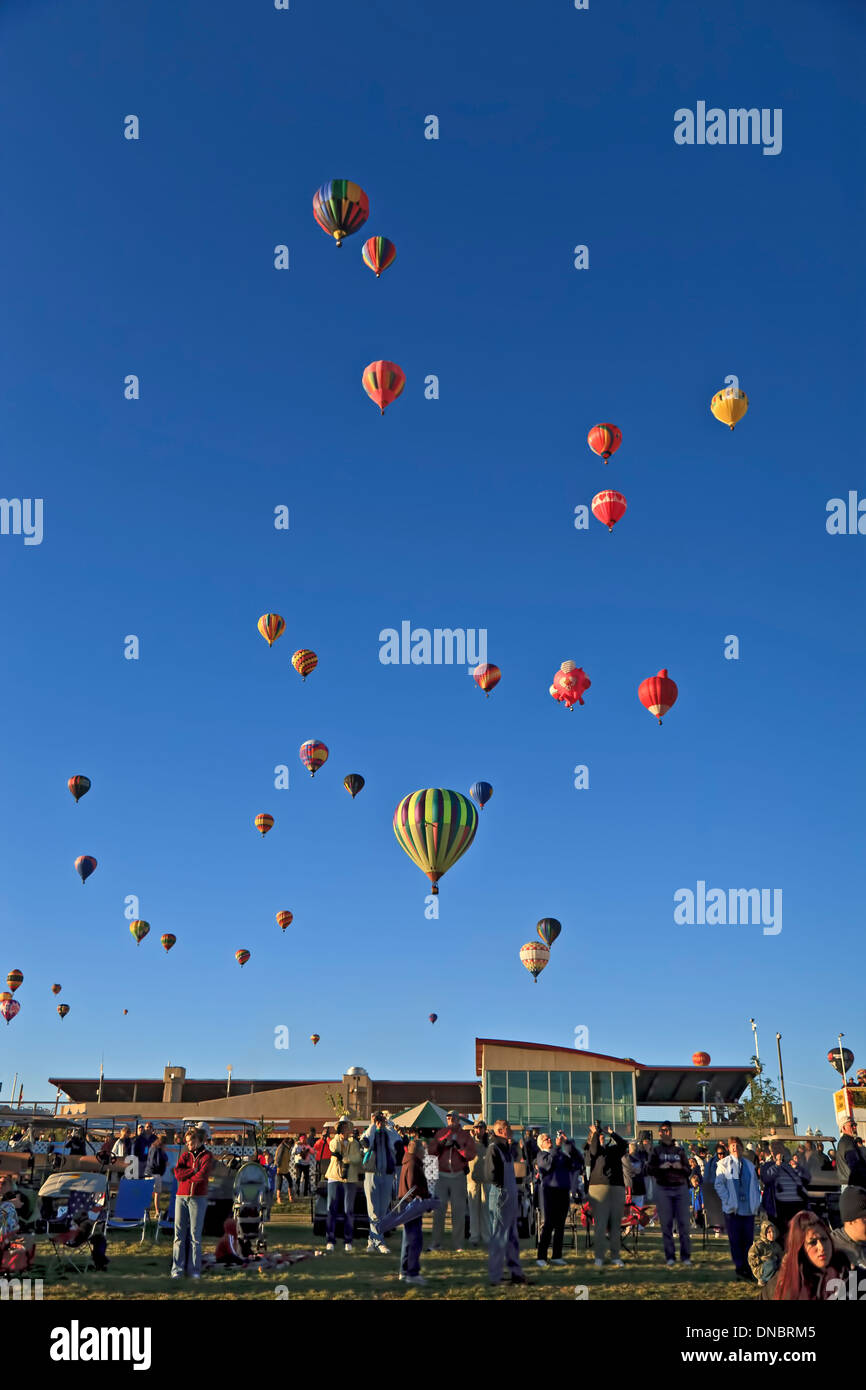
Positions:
(9, 1008)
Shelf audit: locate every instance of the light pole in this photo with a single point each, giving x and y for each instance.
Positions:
(782, 1076)
(848, 1111)
(755, 1036)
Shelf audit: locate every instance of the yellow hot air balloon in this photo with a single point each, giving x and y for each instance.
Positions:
(271, 626)
(305, 661)
(729, 405)
(435, 827)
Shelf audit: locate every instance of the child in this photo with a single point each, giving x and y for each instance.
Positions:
(228, 1251)
(412, 1175)
(696, 1198)
(765, 1256)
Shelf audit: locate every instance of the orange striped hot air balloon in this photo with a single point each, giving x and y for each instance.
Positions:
(604, 440)
(242, 957)
(271, 626)
(14, 979)
(608, 507)
(5, 996)
(658, 694)
(383, 381)
(313, 754)
(304, 662)
(167, 940)
(79, 786)
(284, 919)
(263, 822)
(378, 253)
(63, 1010)
(487, 677)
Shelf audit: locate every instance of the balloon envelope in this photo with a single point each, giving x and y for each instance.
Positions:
(63, 1010)
(313, 754)
(271, 626)
(383, 381)
(432, 1017)
(353, 784)
(700, 1059)
(14, 979)
(139, 930)
(314, 1038)
(481, 792)
(284, 919)
(534, 955)
(835, 1061)
(548, 929)
(242, 957)
(604, 440)
(305, 661)
(729, 405)
(658, 693)
(84, 866)
(340, 207)
(435, 827)
(609, 507)
(9, 1008)
(167, 940)
(55, 989)
(378, 253)
(79, 786)
(487, 677)
(263, 822)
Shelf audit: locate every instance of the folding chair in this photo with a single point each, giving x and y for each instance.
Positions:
(133, 1205)
(166, 1223)
(72, 1247)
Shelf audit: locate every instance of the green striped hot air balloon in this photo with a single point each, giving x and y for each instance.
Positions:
(139, 930)
(435, 827)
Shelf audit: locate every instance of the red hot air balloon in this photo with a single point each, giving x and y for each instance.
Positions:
(313, 754)
(167, 940)
(242, 957)
(609, 507)
(314, 1038)
(569, 684)
(79, 786)
(284, 919)
(55, 989)
(378, 253)
(604, 440)
(700, 1059)
(263, 822)
(84, 866)
(487, 677)
(432, 1017)
(658, 694)
(383, 381)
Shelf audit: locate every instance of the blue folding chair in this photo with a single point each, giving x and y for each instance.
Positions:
(166, 1223)
(132, 1205)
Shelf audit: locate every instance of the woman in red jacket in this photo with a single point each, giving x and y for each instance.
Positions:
(192, 1171)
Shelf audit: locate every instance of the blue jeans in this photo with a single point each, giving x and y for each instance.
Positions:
(504, 1245)
(741, 1234)
(341, 1197)
(410, 1255)
(672, 1203)
(377, 1189)
(189, 1214)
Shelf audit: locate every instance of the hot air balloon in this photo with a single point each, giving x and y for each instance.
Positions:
(729, 405)
(125, 1012)
(383, 382)
(79, 786)
(14, 979)
(481, 792)
(609, 507)
(569, 684)
(700, 1059)
(9, 1008)
(314, 1038)
(535, 955)
(63, 1010)
(658, 694)
(432, 1017)
(139, 930)
(271, 626)
(378, 253)
(340, 207)
(548, 929)
(263, 822)
(242, 957)
(284, 919)
(55, 989)
(487, 677)
(167, 940)
(435, 827)
(313, 755)
(353, 784)
(7, 994)
(84, 866)
(604, 440)
(304, 662)
(835, 1061)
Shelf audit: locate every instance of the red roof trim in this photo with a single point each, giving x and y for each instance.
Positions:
(605, 1056)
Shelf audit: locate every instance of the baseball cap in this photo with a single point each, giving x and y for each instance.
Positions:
(852, 1204)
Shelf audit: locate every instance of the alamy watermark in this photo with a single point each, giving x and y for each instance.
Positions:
(22, 516)
(443, 646)
(737, 126)
(732, 907)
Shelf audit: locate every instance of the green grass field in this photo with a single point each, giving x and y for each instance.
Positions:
(141, 1271)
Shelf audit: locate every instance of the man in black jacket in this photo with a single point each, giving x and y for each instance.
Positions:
(850, 1162)
(669, 1170)
(504, 1243)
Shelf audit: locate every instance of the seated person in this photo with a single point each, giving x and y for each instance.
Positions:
(765, 1255)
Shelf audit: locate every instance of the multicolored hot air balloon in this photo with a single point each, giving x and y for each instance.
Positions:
(139, 930)
(55, 989)
(729, 405)
(378, 253)
(700, 1059)
(84, 866)
(63, 1010)
(836, 1061)
(340, 207)
(435, 827)
(242, 957)
(14, 979)
(314, 1038)
(481, 792)
(7, 994)
(609, 507)
(569, 684)
(604, 440)
(658, 693)
(313, 754)
(383, 381)
(9, 1008)
(353, 784)
(271, 626)
(79, 786)
(263, 822)
(284, 919)
(534, 956)
(167, 940)
(432, 1017)
(487, 677)
(304, 662)
(548, 929)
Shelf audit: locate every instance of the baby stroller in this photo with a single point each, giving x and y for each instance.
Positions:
(251, 1207)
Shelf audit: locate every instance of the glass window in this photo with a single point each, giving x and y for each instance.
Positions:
(560, 1105)
(581, 1108)
(495, 1112)
(495, 1092)
(602, 1097)
(623, 1103)
(539, 1099)
(518, 1098)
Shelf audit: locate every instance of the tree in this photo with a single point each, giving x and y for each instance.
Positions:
(337, 1103)
(762, 1108)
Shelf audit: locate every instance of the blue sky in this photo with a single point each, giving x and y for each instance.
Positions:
(155, 257)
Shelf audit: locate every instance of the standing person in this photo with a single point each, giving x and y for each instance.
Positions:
(639, 1162)
(283, 1162)
(606, 1187)
(740, 1196)
(322, 1152)
(342, 1179)
(455, 1148)
(554, 1165)
(669, 1169)
(850, 1238)
(380, 1165)
(302, 1157)
(412, 1176)
(850, 1160)
(478, 1189)
(155, 1167)
(140, 1148)
(504, 1244)
(815, 1159)
(121, 1150)
(192, 1170)
(646, 1150)
(75, 1143)
(784, 1188)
